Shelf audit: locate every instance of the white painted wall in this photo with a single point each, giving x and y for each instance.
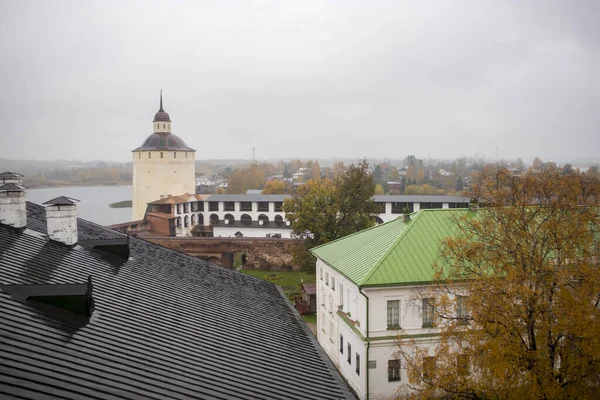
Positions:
(330, 325)
(62, 223)
(13, 209)
(154, 177)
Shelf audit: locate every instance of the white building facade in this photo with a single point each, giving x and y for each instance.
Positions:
(367, 294)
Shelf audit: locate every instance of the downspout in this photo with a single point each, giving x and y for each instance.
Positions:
(368, 343)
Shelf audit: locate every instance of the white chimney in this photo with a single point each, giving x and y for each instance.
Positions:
(13, 202)
(61, 217)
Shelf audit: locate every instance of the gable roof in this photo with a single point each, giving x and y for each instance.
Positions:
(165, 325)
(393, 253)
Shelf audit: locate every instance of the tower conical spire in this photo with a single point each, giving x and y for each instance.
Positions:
(161, 107)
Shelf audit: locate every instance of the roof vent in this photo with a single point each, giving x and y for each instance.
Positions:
(117, 246)
(61, 217)
(13, 203)
(73, 297)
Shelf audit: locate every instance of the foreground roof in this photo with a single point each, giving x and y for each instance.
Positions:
(392, 253)
(165, 326)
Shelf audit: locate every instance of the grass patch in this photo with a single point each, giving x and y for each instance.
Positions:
(288, 280)
(310, 318)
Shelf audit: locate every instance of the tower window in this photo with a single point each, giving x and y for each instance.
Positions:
(139, 155)
(185, 155)
(149, 155)
(161, 154)
(174, 155)
(164, 126)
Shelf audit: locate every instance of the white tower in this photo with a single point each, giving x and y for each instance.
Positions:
(163, 165)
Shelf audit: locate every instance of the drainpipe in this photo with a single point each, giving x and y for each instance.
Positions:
(368, 343)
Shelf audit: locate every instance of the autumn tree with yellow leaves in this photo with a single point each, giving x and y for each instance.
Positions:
(518, 300)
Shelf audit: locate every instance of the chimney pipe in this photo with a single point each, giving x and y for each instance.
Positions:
(13, 201)
(61, 217)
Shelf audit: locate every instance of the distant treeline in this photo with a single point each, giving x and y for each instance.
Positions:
(80, 176)
(69, 172)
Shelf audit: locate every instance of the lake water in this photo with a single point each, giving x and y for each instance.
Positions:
(94, 201)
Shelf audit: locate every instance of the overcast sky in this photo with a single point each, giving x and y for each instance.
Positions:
(81, 79)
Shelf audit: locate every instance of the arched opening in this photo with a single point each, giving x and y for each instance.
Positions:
(278, 220)
(239, 257)
(193, 219)
(178, 221)
(378, 220)
(214, 219)
(186, 221)
(246, 220)
(228, 219)
(263, 220)
(200, 219)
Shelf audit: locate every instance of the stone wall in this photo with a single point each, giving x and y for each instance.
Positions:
(261, 253)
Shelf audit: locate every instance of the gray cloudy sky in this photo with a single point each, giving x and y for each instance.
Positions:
(81, 79)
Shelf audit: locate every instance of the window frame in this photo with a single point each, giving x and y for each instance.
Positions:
(349, 355)
(393, 314)
(394, 370)
(428, 311)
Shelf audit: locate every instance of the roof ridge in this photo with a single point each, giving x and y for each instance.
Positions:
(354, 234)
(391, 247)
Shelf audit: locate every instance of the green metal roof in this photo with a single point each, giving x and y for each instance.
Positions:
(392, 253)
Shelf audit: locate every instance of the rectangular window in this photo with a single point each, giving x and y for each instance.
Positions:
(278, 206)
(321, 273)
(341, 344)
(331, 330)
(200, 206)
(213, 206)
(246, 206)
(429, 206)
(428, 313)
(357, 366)
(393, 370)
(400, 208)
(462, 311)
(332, 283)
(379, 208)
(393, 314)
(229, 206)
(185, 207)
(327, 278)
(341, 295)
(428, 367)
(462, 365)
(263, 206)
(349, 355)
(178, 208)
(458, 205)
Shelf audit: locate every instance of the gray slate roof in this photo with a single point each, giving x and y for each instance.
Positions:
(165, 326)
(248, 197)
(164, 141)
(419, 199)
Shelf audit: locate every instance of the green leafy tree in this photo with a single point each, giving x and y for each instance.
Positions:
(286, 172)
(377, 174)
(325, 210)
(526, 272)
